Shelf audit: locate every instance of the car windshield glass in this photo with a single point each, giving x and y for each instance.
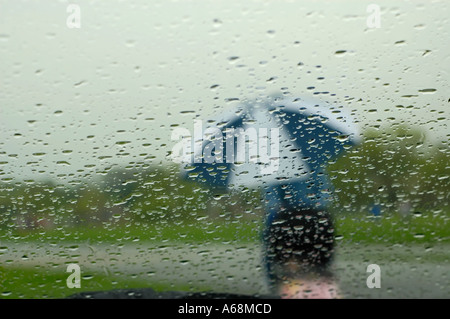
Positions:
(224, 147)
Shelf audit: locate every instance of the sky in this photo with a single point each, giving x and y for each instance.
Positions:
(74, 101)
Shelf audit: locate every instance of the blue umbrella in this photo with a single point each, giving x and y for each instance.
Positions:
(276, 143)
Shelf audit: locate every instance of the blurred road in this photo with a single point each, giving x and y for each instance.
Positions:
(406, 271)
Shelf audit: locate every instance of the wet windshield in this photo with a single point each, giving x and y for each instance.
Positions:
(225, 147)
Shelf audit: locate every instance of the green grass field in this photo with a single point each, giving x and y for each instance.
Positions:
(394, 229)
(388, 229)
(29, 283)
(38, 282)
(199, 232)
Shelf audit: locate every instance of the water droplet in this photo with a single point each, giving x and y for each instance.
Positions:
(419, 26)
(427, 91)
(39, 154)
(122, 142)
(342, 138)
(217, 23)
(73, 248)
(80, 83)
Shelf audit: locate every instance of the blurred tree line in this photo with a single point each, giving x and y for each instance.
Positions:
(138, 194)
(393, 168)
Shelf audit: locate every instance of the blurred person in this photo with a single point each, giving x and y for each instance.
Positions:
(306, 133)
(299, 241)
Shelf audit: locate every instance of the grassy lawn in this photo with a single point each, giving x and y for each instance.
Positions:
(360, 228)
(200, 232)
(30, 283)
(394, 229)
(38, 282)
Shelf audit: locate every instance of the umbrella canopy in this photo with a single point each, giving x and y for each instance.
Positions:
(270, 142)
